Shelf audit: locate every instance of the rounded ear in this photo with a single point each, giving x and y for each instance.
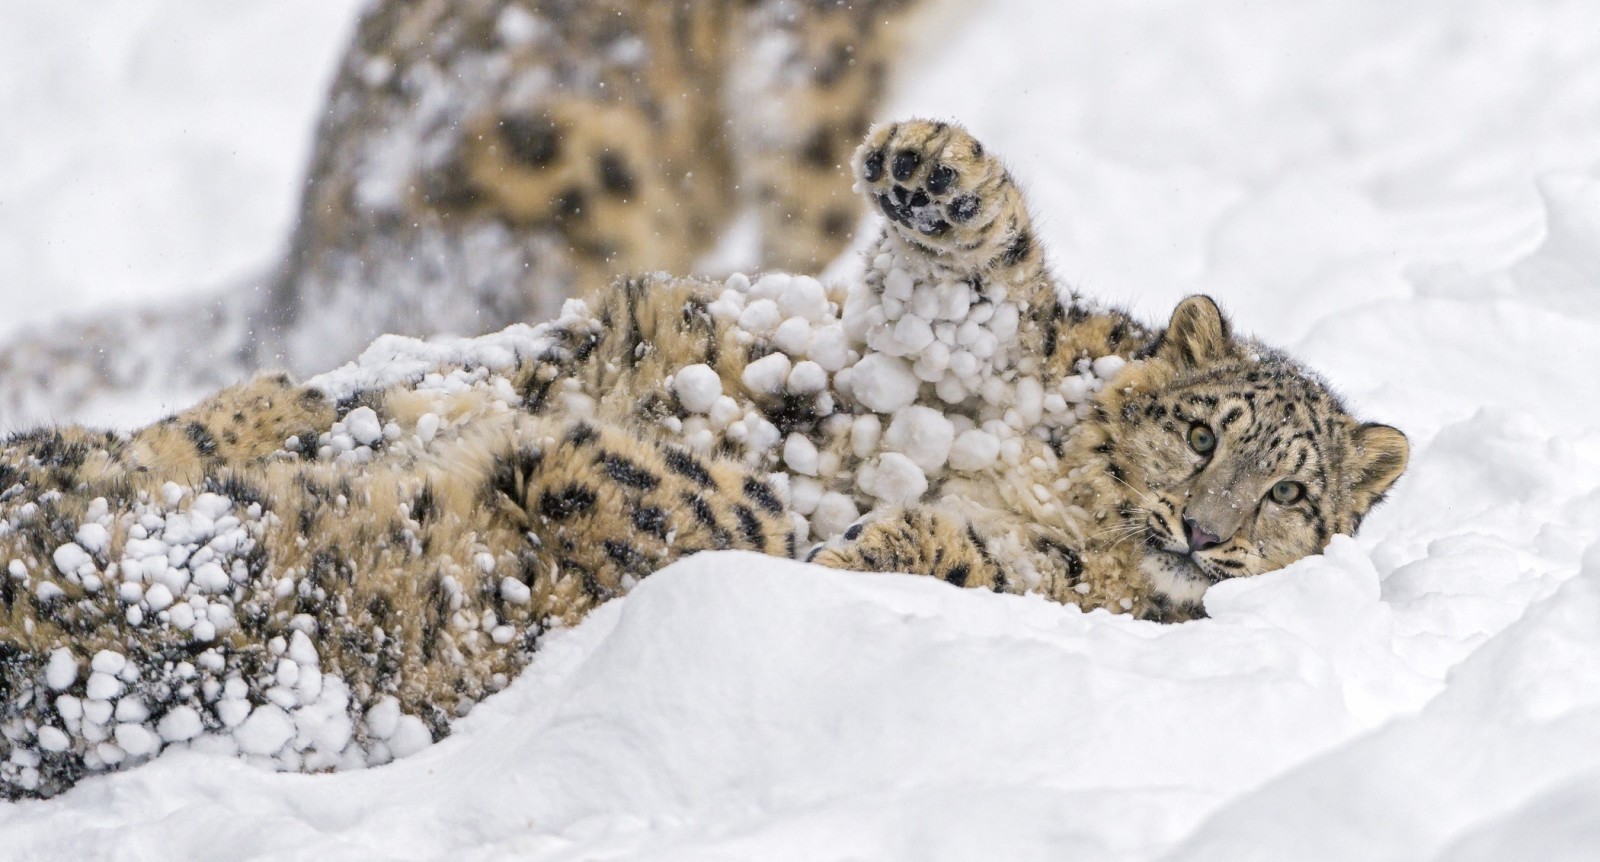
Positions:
(1196, 335)
(1376, 458)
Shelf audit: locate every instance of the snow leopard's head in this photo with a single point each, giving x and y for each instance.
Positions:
(1233, 459)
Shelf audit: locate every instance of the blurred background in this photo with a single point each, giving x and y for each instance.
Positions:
(152, 147)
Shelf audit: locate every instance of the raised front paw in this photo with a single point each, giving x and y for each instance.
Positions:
(943, 193)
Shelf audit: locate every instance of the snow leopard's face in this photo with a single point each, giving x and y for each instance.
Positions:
(1236, 460)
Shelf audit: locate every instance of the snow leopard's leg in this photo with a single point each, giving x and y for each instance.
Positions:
(604, 507)
(237, 427)
(920, 541)
(949, 199)
(956, 215)
(812, 76)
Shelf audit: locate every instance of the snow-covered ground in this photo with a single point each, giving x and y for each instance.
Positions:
(1405, 195)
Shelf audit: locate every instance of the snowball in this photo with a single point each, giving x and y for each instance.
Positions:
(180, 724)
(363, 426)
(103, 686)
(383, 717)
(912, 334)
(410, 736)
(865, 432)
(427, 427)
(52, 739)
(137, 740)
(61, 671)
(724, 411)
(158, 597)
(761, 435)
(804, 297)
(954, 301)
(515, 591)
(1030, 401)
(97, 712)
(800, 454)
(211, 578)
(974, 450)
(267, 730)
(106, 661)
(922, 434)
(132, 709)
(833, 514)
(770, 286)
(70, 558)
(804, 494)
(792, 336)
(1106, 367)
(829, 347)
(214, 506)
(768, 374)
(897, 480)
(898, 284)
(1004, 322)
(884, 383)
(760, 317)
(807, 378)
(93, 538)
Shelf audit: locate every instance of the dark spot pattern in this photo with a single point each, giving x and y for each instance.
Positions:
(532, 140)
(626, 472)
(563, 503)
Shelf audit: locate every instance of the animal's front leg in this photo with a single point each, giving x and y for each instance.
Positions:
(919, 541)
(949, 199)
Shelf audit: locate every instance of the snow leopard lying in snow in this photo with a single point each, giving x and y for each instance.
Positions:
(324, 575)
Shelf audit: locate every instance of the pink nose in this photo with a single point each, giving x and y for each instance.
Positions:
(1198, 538)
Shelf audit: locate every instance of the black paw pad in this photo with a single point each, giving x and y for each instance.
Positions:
(963, 208)
(938, 228)
(854, 532)
(815, 552)
(920, 199)
(872, 168)
(890, 208)
(905, 164)
(942, 178)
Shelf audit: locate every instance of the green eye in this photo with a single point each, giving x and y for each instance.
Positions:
(1201, 439)
(1287, 492)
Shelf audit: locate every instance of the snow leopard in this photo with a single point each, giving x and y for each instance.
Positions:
(477, 162)
(323, 575)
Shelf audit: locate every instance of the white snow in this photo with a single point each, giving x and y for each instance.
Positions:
(698, 387)
(767, 375)
(923, 435)
(882, 383)
(1404, 195)
(62, 669)
(363, 426)
(975, 449)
